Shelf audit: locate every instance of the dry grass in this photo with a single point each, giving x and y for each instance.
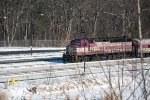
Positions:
(67, 97)
(3, 96)
(77, 97)
(111, 96)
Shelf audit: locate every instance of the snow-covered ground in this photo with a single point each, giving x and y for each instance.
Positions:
(4, 49)
(111, 83)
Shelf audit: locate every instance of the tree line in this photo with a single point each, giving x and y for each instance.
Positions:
(64, 20)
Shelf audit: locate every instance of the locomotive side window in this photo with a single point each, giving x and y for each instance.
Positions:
(148, 46)
(84, 44)
(91, 41)
(76, 42)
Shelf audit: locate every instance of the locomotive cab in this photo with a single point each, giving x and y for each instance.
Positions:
(78, 45)
(76, 48)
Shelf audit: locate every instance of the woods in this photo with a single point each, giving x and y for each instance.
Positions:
(63, 20)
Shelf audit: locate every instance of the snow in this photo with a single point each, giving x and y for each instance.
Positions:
(97, 86)
(84, 88)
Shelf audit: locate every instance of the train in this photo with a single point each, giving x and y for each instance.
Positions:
(89, 49)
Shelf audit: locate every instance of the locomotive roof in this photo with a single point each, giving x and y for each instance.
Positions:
(111, 39)
(114, 39)
(120, 39)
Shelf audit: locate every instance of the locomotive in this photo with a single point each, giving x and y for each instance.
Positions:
(89, 49)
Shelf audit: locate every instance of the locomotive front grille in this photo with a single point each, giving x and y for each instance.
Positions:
(71, 50)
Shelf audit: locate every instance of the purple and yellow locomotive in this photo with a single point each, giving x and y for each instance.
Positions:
(102, 49)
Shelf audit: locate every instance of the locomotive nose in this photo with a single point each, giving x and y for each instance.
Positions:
(70, 50)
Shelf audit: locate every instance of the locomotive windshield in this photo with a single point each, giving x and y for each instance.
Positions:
(75, 42)
(91, 40)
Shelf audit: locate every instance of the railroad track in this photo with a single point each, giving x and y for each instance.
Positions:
(29, 51)
(42, 70)
(44, 75)
(30, 58)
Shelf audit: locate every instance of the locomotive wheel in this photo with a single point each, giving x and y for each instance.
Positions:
(110, 57)
(79, 59)
(90, 58)
(120, 55)
(99, 58)
(146, 55)
(74, 59)
(114, 56)
(86, 58)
